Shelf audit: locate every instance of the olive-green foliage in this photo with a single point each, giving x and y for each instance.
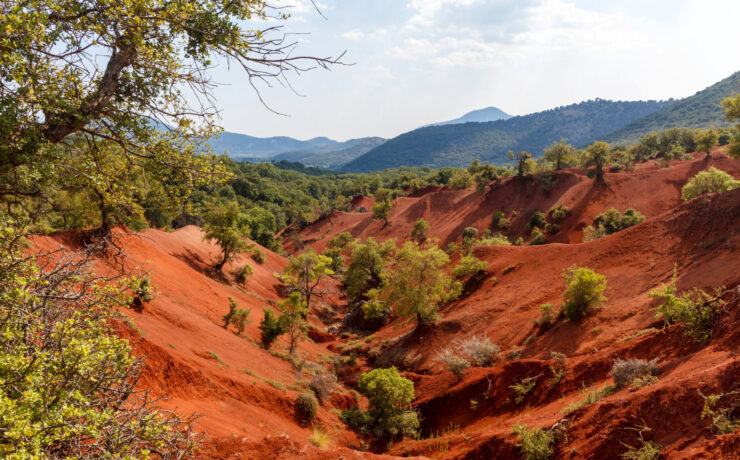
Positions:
(534, 443)
(696, 310)
(382, 209)
(292, 320)
(705, 140)
(625, 371)
(469, 235)
(417, 283)
(468, 266)
(537, 219)
(523, 387)
(712, 180)
(496, 239)
(593, 395)
(611, 221)
(523, 166)
(142, 289)
(241, 274)
(68, 386)
(647, 450)
(239, 317)
(270, 327)
(584, 291)
(461, 179)
(538, 236)
(227, 227)
(367, 264)
(306, 406)
(546, 316)
(723, 419)
(373, 308)
(305, 271)
(421, 228)
(340, 241)
(500, 221)
(454, 362)
(389, 395)
(258, 255)
(559, 153)
(598, 154)
(732, 112)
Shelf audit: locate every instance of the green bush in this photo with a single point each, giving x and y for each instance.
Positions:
(271, 328)
(389, 395)
(538, 219)
(306, 406)
(710, 181)
(559, 213)
(696, 310)
(455, 364)
(584, 291)
(625, 371)
(500, 221)
(258, 255)
(535, 443)
(241, 274)
(538, 236)
(468, 266)
(611, 221)
(143, 289)
(546, 316)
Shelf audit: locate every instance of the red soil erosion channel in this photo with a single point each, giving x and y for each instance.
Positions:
(245, 394)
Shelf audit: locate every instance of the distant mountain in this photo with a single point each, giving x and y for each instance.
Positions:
(459, 144)
(242, 146)
(476, 116)
(697, 111)
(334, 156)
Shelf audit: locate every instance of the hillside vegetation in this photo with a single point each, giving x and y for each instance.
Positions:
(459, 144)
(698, 111)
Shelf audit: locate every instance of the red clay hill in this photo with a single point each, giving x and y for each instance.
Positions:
(246, 394)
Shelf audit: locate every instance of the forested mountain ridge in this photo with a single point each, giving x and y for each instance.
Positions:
(334, 156)
(459, 144)
(698, 111)
(476, 116)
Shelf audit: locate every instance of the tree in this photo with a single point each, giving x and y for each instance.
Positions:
(304, 273)
(522, 164)
(270, 327)
(389, 395)
(367, 264)
(469, 234)
(584, 291)
(705, 140)
(598, 153)
(69, 383)
(417, 284)
(292, 321)
(226, 225)
(239, 317)
(381, 210)
(559, 152)
(419, 233)
(712, 180)
(732, 112)
(99, 72)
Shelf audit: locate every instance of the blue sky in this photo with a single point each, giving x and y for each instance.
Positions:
(421, 61)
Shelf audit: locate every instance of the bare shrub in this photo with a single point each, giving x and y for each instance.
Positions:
(455, 363)
(624, 371)
(479, 350)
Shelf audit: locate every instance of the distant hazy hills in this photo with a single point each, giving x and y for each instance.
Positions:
(698, 111)
(488, 134)
(476, 116)
(459, 144)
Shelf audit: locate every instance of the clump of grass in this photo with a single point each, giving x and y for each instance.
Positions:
(514, 353)
(592, 396)
(639, 382)
(638, 334)
(523, 387)
(273, 383)
(217, 358)
(535, 443)
(319, 438)
(508, 268)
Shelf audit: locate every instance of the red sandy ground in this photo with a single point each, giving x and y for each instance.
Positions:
(245, 417)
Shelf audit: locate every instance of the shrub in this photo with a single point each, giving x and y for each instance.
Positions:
(647, 450)
(319, 438)
(584, 291)
(535, 443)
(500, 221)
(469, 235)
(592, 396)
(546, 316)
(461, 179)
(258, 255)
(523, 387)
(611, 221)
(538, 236)
(711, 181)
(323, 384)
(389, 395)
(626, 371)
(381, 210)
(559, 213)
(142, 289)
(723, 421)
(270, 327)
(479, 350)
(468, 266)
(241, 274)
(696, 310)
(455, 364)
(421, 228)
(537, 219)
(306, 406)
(493, 240)
(514, 353)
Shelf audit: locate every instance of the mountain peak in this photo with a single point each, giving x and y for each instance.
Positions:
(476, 116)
